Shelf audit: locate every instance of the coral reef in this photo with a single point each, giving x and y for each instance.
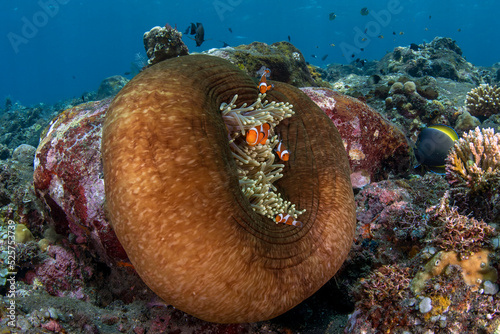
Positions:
(376, 148)
(71, 184)
(407, 230)
(483, 100)
(286, 62)
(164, 242)
(163, 43)
(473, 171)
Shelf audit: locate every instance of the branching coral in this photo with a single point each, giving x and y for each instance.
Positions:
(483, 100)
(473, 171)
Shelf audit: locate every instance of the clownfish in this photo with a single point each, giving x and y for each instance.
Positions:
(287, 219)
(282, 152)
(263, 87)
(258, 134)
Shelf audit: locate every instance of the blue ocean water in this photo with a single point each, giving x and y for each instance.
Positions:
(58, 49)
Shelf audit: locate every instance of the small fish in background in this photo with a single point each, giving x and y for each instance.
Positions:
(381, 36)
(324, 57)
(263, 86)
(198, 31)
(459, 30)
(224, 44)
(288, 220)
(430, 17)
(364, 11)
(332, 16)
(313, 55)
(433, 145)
(401, 32)
(230, 30)
(331, 44)
(289, 39)
(394, 33)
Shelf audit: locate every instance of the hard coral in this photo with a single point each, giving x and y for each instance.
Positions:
(473, 171)
(483, 100)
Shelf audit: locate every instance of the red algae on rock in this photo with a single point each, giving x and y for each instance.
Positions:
(68, 179)
(376, 148)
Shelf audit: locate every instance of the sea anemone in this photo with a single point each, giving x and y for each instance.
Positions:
(483, 100)
(191, 224)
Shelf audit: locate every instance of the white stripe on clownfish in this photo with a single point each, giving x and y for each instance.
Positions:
(263, 87)
(288, 220)
(282, 152)
(258, 134)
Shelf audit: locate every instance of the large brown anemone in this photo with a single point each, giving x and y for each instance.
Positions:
(173, 194)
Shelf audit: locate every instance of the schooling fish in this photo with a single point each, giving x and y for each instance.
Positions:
(258, 134)
(282, 152)
(364, 11)
(263, 87)
(287, 219)
(432, 147)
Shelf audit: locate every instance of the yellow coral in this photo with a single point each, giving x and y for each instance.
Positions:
(475, 269)
(483, 100)
(22, 234)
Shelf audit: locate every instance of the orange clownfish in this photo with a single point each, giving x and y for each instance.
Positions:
(282, 152)
(287, 219)
(258, 134)
(263, 87)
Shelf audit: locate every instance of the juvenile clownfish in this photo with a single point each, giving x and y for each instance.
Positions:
(263, 87)
(258, 134)
(287, 219)
(282, 152)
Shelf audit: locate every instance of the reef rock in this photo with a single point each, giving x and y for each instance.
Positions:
(68, 179)
(376, 148)
(110, 86)
(163, 43)
(286, 62)
(439, 58)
